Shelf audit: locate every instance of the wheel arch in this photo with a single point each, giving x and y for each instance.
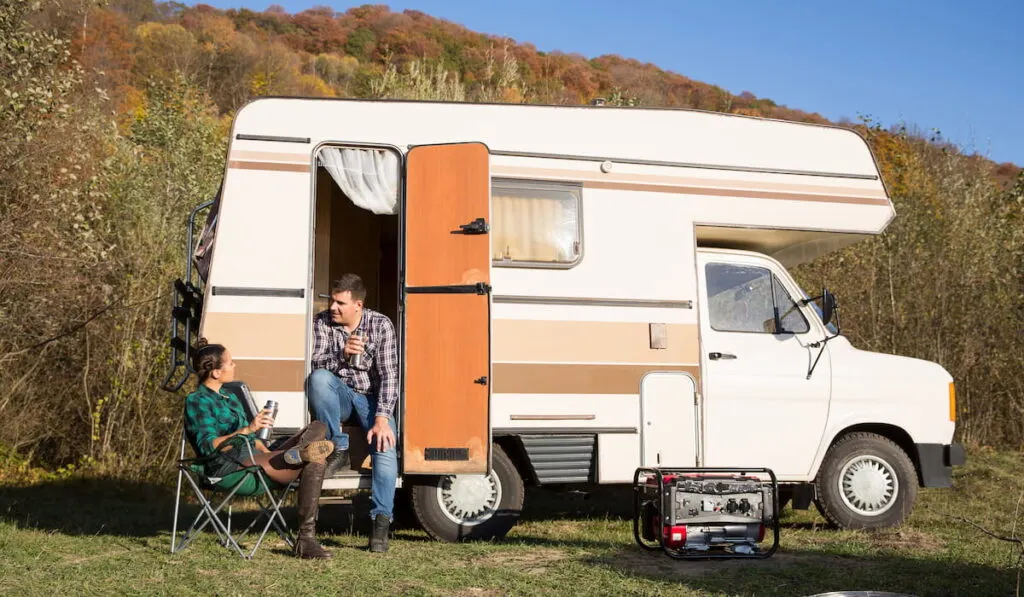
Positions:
(513, 447)
(895, 434)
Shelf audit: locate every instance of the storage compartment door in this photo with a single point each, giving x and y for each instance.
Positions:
(668, 420)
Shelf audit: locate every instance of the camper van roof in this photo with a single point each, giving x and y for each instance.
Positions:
(661, 136)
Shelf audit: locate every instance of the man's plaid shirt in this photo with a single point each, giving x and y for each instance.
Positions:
(209, 415)
(378, 373)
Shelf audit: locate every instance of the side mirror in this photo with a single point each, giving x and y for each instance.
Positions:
(828, 305)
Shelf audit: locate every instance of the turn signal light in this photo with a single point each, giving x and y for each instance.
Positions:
(952, 402)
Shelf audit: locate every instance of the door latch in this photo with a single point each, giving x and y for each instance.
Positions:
(477, 226)
(481, 380)
(714, 356)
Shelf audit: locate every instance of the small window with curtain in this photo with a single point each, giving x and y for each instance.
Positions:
(535, 224)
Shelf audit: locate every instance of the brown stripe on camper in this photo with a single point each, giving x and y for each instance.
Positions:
(258, 335)
(270, 156)
(539, 378)
(275, 167)
(719, 183)
(592, 341)
(656, 188)
(263, 375)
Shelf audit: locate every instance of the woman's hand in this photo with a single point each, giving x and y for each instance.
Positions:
(263, 419)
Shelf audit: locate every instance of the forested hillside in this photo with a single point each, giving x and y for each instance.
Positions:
(113, 123)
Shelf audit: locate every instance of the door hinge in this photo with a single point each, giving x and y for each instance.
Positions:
(477, 226)
(478, 288)
(481, 380)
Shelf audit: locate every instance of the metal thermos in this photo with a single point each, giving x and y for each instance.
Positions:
(264, 434)
(356, 360)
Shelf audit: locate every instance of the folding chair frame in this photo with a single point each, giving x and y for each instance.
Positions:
(209, 514)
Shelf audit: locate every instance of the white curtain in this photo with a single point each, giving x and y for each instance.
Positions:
(369, 177)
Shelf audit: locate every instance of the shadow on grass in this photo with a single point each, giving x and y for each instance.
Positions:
(84, 506)
(613, 502)
(116, 507)
(792, 573)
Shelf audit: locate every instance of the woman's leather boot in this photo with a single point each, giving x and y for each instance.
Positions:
(310, 483)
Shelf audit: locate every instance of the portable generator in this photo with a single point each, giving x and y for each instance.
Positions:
(702, 513)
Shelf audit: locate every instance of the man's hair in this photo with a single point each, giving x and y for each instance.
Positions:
(351, 283)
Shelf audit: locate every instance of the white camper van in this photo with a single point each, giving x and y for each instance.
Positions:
(578, 291)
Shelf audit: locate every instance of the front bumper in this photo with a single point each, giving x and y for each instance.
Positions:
(936, 461)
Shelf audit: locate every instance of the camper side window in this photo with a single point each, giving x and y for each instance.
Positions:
(535, 224)
(743, 298)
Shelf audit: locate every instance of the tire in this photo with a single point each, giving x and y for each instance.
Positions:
(435, 502)
(880, 483)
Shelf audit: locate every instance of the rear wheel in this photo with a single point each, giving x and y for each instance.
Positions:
(866, 481)
(459, 507)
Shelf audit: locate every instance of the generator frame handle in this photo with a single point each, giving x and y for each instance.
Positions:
(683, 554)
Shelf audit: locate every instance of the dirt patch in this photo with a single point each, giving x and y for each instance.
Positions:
(478, 592)
(658, 565)
(535, 561)
(904, 539)
(559, 528)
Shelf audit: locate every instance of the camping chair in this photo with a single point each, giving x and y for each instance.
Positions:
(249, 481)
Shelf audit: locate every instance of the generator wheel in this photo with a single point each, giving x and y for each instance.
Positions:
(866, 482)
(467, 507)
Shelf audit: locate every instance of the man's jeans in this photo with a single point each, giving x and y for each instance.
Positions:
(332, 401)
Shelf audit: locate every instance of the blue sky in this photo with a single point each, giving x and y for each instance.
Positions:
(957, 67)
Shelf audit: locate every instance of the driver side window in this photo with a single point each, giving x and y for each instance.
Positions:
(744, 298)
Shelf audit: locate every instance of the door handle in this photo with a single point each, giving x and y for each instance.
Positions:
(477, 226)
(714, 356)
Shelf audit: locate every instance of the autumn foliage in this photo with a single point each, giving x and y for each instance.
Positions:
(113, 123)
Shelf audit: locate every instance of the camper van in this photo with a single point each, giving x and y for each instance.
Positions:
(578, 291)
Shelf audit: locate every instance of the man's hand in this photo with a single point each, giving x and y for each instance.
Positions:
(354, 345)
(382, 431)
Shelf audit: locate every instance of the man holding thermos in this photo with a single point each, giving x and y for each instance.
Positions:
(355, 371)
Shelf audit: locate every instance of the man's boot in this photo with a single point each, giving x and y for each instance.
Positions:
(379, 536)
(338, 462)
(310, 484)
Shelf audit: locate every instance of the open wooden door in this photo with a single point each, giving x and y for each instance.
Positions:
(447, 339)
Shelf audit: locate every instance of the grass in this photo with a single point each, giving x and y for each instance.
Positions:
(85, 536)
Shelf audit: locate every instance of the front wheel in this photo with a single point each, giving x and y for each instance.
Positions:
(459, 507)
(866, 482)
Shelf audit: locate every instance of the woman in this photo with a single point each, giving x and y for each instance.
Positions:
(215, 424)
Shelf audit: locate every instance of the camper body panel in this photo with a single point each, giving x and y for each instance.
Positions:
(256, 298)
(713, 140)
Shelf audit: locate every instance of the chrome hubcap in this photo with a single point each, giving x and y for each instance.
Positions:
(469, 499)
(869, 485)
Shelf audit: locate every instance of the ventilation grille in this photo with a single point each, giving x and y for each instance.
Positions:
(446, 454)
(560, 458)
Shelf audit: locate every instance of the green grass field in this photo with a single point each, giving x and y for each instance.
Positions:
(83, 537)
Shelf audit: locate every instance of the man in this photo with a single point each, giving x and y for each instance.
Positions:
(337, 388)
